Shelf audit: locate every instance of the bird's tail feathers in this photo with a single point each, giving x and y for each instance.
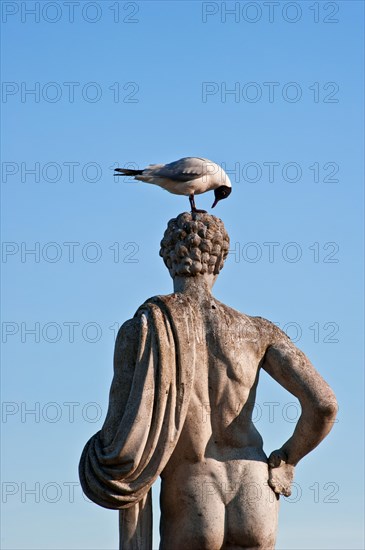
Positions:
(127, 172)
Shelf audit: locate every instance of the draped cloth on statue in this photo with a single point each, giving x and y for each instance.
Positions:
(120, 474)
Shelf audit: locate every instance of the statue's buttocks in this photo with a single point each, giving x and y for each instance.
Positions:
(216, 505)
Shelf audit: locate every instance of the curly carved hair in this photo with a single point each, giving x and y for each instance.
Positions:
(194, 244)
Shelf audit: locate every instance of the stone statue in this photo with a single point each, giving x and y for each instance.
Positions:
(186, 370)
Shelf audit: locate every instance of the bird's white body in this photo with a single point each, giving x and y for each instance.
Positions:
(187, 176)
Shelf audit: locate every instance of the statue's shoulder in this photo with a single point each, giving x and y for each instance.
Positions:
(231, 312)
(264, 328)
(128, 330)
(270, 329)
(172, 301)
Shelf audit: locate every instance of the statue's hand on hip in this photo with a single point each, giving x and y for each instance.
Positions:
(281, 474)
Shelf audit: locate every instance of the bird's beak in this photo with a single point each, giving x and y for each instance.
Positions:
(215, 203)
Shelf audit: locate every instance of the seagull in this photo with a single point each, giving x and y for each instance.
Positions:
(188, 176)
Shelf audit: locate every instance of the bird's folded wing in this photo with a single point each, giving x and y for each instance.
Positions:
(185, 169)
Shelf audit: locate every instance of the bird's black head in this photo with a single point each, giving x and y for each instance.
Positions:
(220, 193)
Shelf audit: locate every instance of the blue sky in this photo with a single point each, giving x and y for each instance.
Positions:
(276, 96)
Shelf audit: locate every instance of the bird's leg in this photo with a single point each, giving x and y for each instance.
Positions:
(194, 209)
(192, 203)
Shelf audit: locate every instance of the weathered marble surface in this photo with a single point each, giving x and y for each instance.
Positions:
(186, 370)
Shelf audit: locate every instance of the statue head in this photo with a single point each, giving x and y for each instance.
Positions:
(194, 245)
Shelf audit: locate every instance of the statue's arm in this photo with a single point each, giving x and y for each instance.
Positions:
(125, 353)
(293, 370)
